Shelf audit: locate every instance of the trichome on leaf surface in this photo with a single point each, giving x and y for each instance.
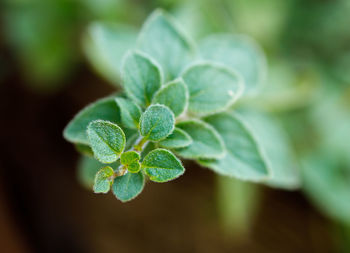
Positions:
(180, 100)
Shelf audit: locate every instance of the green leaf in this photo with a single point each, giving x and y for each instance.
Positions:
(239, 53)
(275, 147)
(103, 109)
(174, 95)
(130, 160)
(107, 140)
(105, 45)
(103, 180)
(130, 112)
(161, 166)
(127, 187)
(212, 88)
(206, 142)
(87, 169)
(161, 38)
(84, 149)
(142, 77)
(157, 122)
(177, 139)
(326, 182)
(243, 158)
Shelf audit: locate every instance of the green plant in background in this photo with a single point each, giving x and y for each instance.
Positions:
(180, 100)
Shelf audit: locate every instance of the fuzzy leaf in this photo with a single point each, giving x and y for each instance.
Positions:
(141, 77)
(212, 88)
(206, 142)
(177, 139)
(127, 187)
(131, 160)
(87, 169)
(107, 140)
(243, 158)
(130, 112)
(174, 95)
(161, 166)
(105, 46)
(103, 109)
(103, 182)
(157, 122)
(161, 38)
(275, 147)
(238, 53)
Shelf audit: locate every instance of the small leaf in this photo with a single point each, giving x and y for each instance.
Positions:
(127, 187)
(130, 112)
(105, 45)
(243, 158)
(131, 160)
(174, 95)
(239, 53)
(107, 140)
(157, 122)
(161, 166)
(161, 38)
(103, 109)
(141, 77)
(206, 142)
(87, 169)
(177, 139)
(212, 88)
(103, 180)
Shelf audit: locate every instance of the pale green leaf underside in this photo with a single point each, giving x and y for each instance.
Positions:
(130, 112)
(103, 109)
(177, 139)
(127, 187)
(238, 53)
(102, 182)
(107, 140)
(212, 88)
(243, 158)
(274, 147)
(157, 122)
(206, 142)
(174, 95)
(161, 38)
(142, 77)
(161, 166)
(105, 46)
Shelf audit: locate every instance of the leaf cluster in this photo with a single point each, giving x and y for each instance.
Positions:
(181, 101)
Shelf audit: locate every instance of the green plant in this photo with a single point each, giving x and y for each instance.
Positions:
(183, 101)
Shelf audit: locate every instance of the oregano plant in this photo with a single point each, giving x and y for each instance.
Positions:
(180, 101)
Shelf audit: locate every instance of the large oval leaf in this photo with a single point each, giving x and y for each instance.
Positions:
(142, 77)
(157, 122)
(243, 158)
(161, 166)
(107, 140)
(239, 53)
(174, 95)
(103, 109)
(105, 45)
(206, 142)
(161, 38)
(212, 88)
(127, 187)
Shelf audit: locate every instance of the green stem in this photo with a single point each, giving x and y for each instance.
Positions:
(237, 203)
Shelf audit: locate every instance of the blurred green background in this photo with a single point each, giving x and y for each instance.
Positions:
(49, 70)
